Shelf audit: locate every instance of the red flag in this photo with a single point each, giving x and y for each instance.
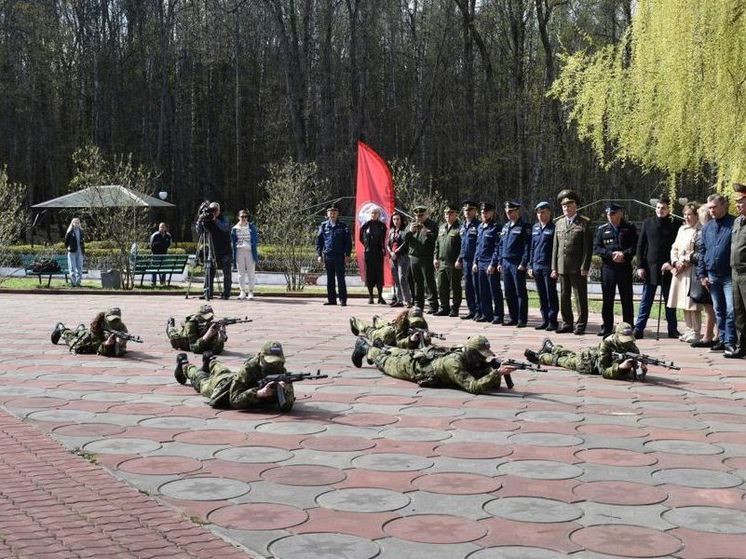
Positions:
(375, 188)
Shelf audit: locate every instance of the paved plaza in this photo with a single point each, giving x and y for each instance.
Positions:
(365, 466)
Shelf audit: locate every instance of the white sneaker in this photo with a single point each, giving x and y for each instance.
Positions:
(242, 295)
(250, 295)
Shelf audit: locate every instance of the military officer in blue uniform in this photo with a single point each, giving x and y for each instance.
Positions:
(465, 261)
(540, 266)
(486, 260)
(515, 241)
(615, 242)
(333, 247)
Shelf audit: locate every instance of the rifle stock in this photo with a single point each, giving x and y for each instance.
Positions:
(123, 335)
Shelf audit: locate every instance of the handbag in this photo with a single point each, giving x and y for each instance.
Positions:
(697, 293)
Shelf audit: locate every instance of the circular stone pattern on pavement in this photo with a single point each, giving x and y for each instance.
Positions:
(716, 520)
(365, 419)
(611, 430)
(415, 434)
(88, 430)
(254, 454)
(307, 475)
(341, 443)
(533, 509)
(390, 462)
(478, 451)
(485, 424)
(122, 446)
(323, 546)
(291, 428)
(545, 439)
(457, 484)
(212, 436)
(258, 516)
(516, 552)
(620, 493)
(363, 500)
(435, 528)
(626, 541)
(549, 416)
(615, 457)
(540, 469)
(683, 447)
(702, 479)
(204, 489)
(160, 465)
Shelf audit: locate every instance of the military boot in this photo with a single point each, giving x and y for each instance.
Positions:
(532, 356)
(353, 326)
(181, 361)
(57, 333)
(547, 346)
(207, 357)
(170, 323)
(360, 351)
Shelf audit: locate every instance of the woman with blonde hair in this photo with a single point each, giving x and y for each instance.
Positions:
(698, 293)
(75, 245)
(680, 267)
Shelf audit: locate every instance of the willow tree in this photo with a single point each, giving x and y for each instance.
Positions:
(671, 95)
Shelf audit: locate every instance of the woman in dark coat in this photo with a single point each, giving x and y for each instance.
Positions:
(373, 238)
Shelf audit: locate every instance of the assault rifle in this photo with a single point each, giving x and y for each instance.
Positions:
(424, 335)
(643, 359)
(123, 335)
(228, 320)
(288, 378)
(519, 365)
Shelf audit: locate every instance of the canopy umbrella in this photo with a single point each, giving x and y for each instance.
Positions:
(107, 196)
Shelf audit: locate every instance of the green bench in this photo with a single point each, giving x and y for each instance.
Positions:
(148, 264)
(28, 261)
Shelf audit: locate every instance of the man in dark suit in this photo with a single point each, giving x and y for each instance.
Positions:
(571, 259)
(657, 234)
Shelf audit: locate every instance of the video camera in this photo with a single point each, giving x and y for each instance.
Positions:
(205, 214)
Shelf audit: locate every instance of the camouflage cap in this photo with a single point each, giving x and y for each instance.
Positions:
(624, 333)
(205, 311)
(272, 352)
(113, 312)
(415, 312)
(480, 344)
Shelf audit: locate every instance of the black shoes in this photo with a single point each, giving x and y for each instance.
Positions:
(179, 375)
(702, 343)
(498, 321)
(604, 333)
(579, 331)
(57, 333)
(719, 346)
(370, 300)
(360, 351)
(510, 323)
(733, 352)
(565, 329)
(521, 325)
(639, 334)
(469, 316)
(542, 326)
(431, 310)
(381, 301)
(328, 303)
(442, 312)
(552, 327)
(453, 313)
(343, 304)
(674, 334)
(480, 319)
(353, 328)
(531, 356)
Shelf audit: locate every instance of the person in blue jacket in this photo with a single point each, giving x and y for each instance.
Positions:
(244, 240)
(713, 269)
(486, 259)
(515, 242)
(469, 232)
(540, 266)
(333, 247)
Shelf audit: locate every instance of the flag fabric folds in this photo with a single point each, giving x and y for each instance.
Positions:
(374, 188)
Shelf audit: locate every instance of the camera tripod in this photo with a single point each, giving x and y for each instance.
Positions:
(206, 248)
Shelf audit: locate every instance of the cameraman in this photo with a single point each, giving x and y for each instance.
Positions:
(210, 221)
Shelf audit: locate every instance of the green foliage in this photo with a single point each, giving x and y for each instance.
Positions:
(120, 226)
(13, 214)
(671, 95)
(286, 218)
(411, 191)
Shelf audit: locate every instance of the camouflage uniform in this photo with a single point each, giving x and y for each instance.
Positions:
(238, 390)
(188, 337)
(470, 367)
(92, 340)
(395, 333)
(598, 360)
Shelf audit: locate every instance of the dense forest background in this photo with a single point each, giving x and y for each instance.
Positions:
(209, 93)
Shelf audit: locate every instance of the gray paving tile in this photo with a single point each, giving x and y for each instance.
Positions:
(446, 464)
(636, 444)
(64, 416)
(691, 477)
(291, 428)
(392, 462)
(145, 483)
(545, 439)
(254, 454)
(338, 430)
(298, 496)
(120, 418)
(75, 442)
(496, 437)
(549, 416)
(177, 422)
(540, 469)
(600, 472)
(715, 520)
(673, 423)
(198, 451)
(114, 445)
(466, 506)
(516, 552)
(415, 434)
(431, 411)
(375, 408)
(394, 548)
(647, 516)
(683, 447)
(626, 419)
(363, 500)
(339, 460)
(533, 509)
(324, 546)
(256, 542)
(204, 489)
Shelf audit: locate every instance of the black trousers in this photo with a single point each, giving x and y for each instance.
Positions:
(613, 278)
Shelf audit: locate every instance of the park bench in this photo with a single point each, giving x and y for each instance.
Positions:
(148, 264)
(30, 263)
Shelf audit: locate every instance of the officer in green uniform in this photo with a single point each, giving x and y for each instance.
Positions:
(96, 339)
(596, 361)
(197, 333)
(471, 367)
(405, 331)
(447, 250)
(238, 390)
(420, 239)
